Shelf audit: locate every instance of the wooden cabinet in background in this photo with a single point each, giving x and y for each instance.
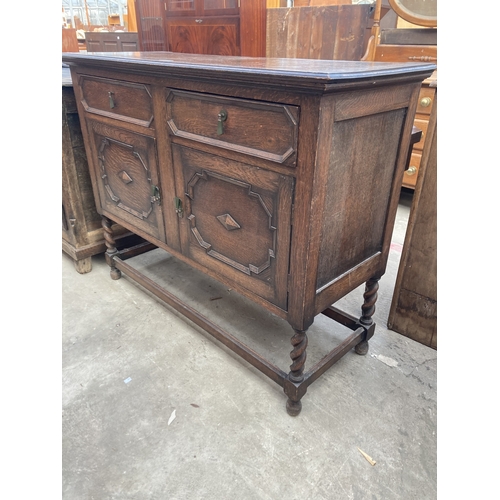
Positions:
(425, 106)
(101, 41)
(413, 310)
(203, 27)
(217, 27)
(207, 35)
(391, 52)
(69, 40)
(82, 233)
(151, 21)
(409, 45)
(325, 32)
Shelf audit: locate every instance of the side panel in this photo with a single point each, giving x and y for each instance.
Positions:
(357, 191)
(362, 153)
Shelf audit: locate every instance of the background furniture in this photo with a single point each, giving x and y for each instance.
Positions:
(82, 233)
(413, 310)
(313, 3)
(406, 45)
(69, 40)
(325, 32)
(222, 27)
(242, 169)
(101, 41)
(426, 103)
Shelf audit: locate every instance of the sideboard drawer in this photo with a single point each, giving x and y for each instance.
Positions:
(125, 101)
(262, 129)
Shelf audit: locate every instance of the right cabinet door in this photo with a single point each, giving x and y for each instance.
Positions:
(236, 220)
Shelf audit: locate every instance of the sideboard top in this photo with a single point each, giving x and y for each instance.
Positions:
(301, 73)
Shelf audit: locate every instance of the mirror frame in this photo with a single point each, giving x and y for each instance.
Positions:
(412, 17)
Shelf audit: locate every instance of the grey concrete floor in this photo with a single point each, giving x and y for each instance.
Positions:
(155, 408)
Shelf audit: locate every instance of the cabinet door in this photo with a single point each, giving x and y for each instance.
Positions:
(110, 46)
(215, 36)
(127, 177)
(93, 45)
(236, 220)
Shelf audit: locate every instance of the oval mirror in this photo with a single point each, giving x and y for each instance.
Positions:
(421, 12)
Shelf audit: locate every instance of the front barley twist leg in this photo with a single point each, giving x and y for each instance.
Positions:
(298, 355)
(111, 250)
(367, 310)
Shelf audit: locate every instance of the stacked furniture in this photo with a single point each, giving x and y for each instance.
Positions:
(413, 310)
(407, 45)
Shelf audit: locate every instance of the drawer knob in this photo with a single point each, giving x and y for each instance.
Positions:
(411, 171)
(221, 118)
(111, 101)
(425, 102)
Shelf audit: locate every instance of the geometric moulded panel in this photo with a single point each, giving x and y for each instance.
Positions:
(232, 237)
(126, 177)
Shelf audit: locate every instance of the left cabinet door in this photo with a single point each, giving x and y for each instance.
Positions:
(127, 178)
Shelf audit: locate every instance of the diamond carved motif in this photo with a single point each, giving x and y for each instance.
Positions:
(125, 177)
(228, 222)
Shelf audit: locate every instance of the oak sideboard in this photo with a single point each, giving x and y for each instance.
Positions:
(277, 177)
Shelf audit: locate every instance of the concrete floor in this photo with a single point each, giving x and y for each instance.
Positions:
(155, 408)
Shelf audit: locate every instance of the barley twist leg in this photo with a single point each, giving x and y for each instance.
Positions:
(111, 250)
(298, 356)
(367, 310)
